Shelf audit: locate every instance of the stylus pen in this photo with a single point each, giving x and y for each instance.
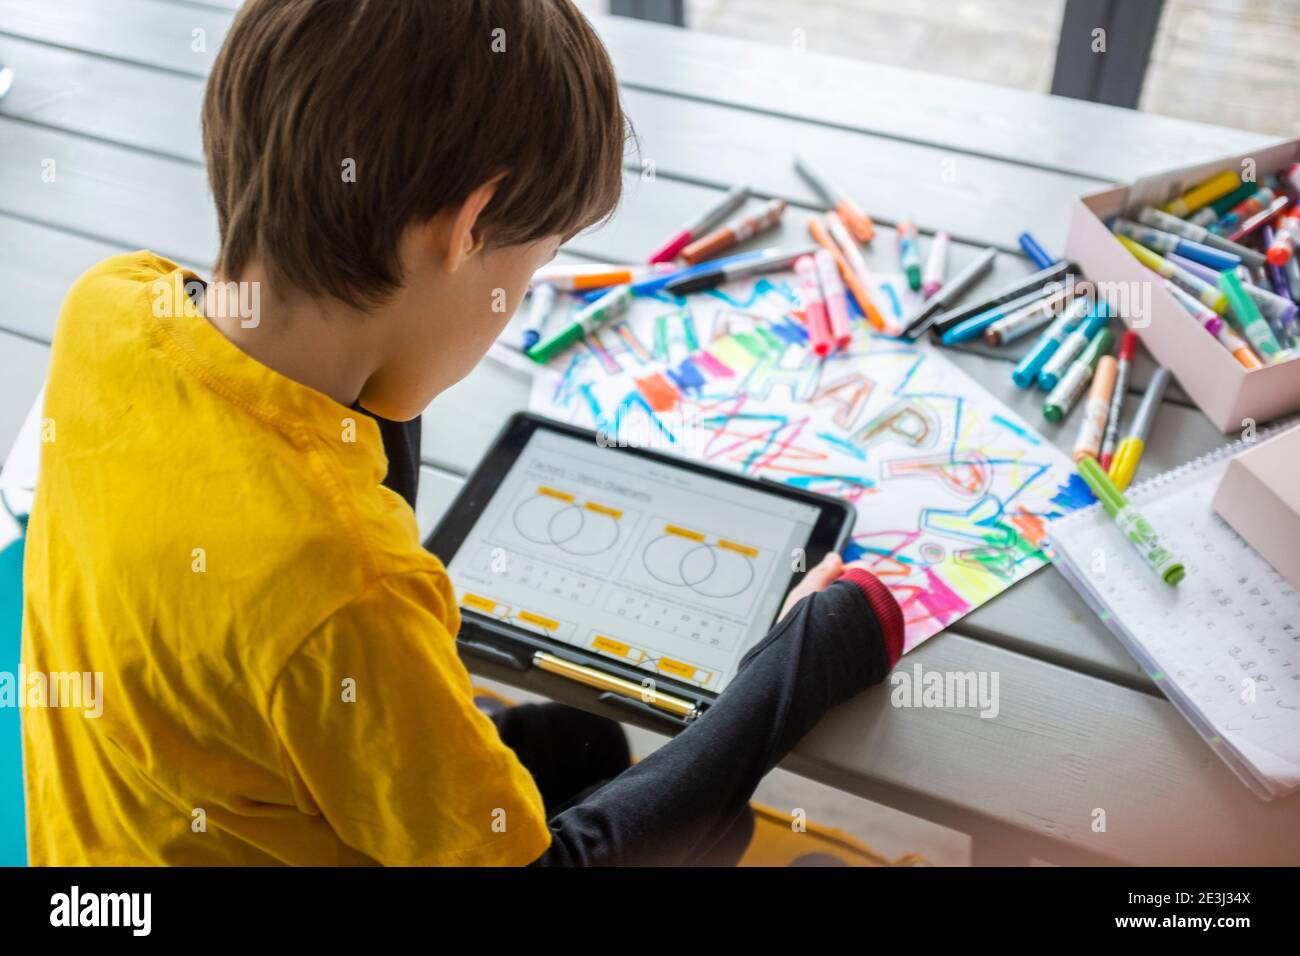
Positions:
(585, 674)
(950, 292)
(774, 260)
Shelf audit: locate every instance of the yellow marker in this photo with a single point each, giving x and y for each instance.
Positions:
(1203, 194)
(1129, 452)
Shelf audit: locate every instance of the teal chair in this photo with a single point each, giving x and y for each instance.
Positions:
(13, 822)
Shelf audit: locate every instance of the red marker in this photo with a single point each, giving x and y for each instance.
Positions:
(1110, 439)
(815, 318)
(703, 224)
(1286, 237)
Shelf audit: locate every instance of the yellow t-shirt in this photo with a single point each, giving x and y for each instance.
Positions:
(279, 676)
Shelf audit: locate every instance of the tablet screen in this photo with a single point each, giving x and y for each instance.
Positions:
(658, 566)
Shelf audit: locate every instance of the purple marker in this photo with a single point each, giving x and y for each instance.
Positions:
(1276, 309)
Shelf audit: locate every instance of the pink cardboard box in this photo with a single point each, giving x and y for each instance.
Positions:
(1222, 388)
(1260, 497)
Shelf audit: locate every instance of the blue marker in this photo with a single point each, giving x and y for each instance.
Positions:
(656, 284)
(1035, 251)
(1167, 243)
(1073, 347)
(1027, 369)
(973, 327)
(540, 306)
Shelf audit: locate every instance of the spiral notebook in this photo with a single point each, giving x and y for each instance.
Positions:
(1224, 645)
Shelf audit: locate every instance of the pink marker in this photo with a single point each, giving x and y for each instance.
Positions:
(837, 306)
(814, 306)
(703, 224)
(936, 265)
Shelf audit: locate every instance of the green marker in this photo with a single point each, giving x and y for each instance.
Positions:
(612, 303)
(1253, 324)
(1070, 387)
(1135, 527)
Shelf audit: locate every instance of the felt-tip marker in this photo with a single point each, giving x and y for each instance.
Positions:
(1135, 527)
(1129, 452)
(1027, 369)
(1069, 388)
(1013, 290)
(966, 278)
(1074, 345)
(704, 223)
(1123, 367)
(1035, 251)
(612, 303)
(858, 222)
(773, 260)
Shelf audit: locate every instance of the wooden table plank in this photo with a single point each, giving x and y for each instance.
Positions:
(1054, 133)
(699, 142)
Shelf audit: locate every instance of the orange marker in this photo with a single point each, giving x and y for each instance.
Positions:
(857, 283)
(734, 233)
(857, 221)
(1097, 409)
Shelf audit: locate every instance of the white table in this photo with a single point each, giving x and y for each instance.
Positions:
(110, 91)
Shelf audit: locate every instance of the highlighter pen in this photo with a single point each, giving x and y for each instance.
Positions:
(1249, 318)
(834, 238)
(1275, 308)
(1092, 429)
(936, 265)
(541, 304)
(1203, 193)
(815, 317)
(734, 233)
(837, 306)
(1193, 233)
(1034, 250)
(1136, 528)
(704, 223)
(1030, 318)
(1027, 369)
(713, 274)
(1074, 345)
(1209, 294)
(1214, 323)
(1167, 243)
(1013, 290)
(973, 327)
(966, 278)
(909, 252)
(1129, 452)
(859, 224)
(612, 303)
(1069, 389)
(1110, 438)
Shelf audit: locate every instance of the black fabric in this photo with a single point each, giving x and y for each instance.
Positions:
(402, 446)
(681, 804)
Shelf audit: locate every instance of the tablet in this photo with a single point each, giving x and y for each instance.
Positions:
(631, 562)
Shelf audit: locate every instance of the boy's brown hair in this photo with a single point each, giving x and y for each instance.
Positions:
(423, 100)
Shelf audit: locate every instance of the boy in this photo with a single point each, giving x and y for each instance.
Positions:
(215, 528)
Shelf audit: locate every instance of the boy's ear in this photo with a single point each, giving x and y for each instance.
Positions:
(466, 239)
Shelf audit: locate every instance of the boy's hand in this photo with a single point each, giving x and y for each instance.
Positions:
(826, 573)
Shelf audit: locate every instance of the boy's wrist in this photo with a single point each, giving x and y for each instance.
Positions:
(885, 607)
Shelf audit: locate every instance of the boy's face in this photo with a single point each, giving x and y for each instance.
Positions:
(446, 317)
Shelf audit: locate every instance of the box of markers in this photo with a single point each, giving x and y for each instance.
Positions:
(1231, 392)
